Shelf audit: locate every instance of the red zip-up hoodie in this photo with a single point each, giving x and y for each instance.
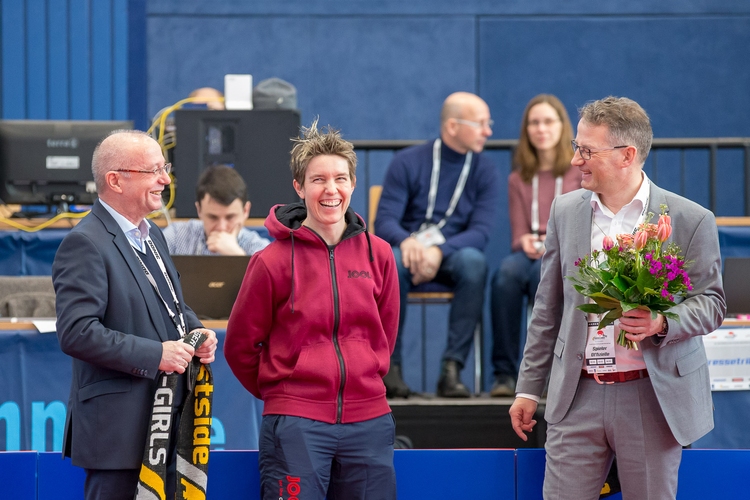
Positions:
(313, 326)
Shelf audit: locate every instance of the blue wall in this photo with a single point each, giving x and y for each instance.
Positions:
(380, 70)
(73, 59)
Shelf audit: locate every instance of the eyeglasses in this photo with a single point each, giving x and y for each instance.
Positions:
(484, 124)
(167, 168)
(587, 152)
(547, 123)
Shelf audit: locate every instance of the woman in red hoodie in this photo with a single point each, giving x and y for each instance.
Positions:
(311, 334)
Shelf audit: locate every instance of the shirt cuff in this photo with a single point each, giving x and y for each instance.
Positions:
(536, 399)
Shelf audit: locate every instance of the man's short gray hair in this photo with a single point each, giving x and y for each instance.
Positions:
(626, 120)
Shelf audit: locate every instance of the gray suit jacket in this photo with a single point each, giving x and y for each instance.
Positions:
(109, 321)
(677, 366)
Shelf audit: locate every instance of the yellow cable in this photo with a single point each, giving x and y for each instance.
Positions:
(47, 223)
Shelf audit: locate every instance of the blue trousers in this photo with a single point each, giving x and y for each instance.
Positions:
(465, 271)
(306, 459)
(517, 277)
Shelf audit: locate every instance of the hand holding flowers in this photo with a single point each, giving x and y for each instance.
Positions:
(637, 272)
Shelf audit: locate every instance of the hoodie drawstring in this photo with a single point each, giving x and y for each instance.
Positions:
(291, 233)
(369, 245)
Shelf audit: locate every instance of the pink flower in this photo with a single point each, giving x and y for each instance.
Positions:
(641, 238)
(608, 243)
(664, 232)
(665, 219)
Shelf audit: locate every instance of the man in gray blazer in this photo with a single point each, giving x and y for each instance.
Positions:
(659, 399)
(120, 324)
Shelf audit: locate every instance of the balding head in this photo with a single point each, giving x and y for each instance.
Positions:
(208, 95)
(465, 122)
(128, 167)
(119, 150)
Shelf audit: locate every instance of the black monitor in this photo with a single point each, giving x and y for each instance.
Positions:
(48, 162)
(257, 143)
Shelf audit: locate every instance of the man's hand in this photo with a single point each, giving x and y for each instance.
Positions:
(175, 356)
(412, 253)
(428, 268)
(521, 413)
(530, 246)
(224, 243)
(423, 263)
(639, 325)
(207, 351)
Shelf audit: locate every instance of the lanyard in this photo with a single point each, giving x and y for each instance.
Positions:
(434, 184)
(180, 325)
(535, 200)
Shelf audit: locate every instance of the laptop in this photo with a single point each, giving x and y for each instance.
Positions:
(737, 285)
(210, 283)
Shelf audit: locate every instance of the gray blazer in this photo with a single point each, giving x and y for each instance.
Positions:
(109, 321)
(677, 365)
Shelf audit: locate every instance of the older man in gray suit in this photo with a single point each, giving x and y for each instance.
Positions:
(659, 399)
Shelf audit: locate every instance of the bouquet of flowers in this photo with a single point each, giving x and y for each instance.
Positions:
(637, 272)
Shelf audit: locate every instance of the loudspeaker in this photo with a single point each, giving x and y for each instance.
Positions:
(257, 143)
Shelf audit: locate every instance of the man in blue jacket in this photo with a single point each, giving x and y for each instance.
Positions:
(437, 209)
(121, 317)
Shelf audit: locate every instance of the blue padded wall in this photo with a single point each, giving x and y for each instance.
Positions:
(380, 70)
(690, 73)
(73, 59)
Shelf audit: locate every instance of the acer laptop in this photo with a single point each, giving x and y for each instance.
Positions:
(737, 285)
(210, 283)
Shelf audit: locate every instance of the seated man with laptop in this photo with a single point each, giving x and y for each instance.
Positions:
(222, 205)
(211, 253)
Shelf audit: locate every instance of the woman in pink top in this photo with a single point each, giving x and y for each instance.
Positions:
(541, 171)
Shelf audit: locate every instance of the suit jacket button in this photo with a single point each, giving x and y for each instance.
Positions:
(580, 356)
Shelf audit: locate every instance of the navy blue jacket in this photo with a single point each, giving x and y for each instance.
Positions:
(403, 203)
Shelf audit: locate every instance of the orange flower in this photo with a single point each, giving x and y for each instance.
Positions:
(650, 229)
(625, 240)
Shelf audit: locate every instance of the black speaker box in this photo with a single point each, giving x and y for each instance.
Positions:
(256, 143)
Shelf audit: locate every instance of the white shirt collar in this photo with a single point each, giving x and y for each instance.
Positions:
(136, 235)
(641, 197)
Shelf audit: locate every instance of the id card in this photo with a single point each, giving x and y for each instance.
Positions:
(600, 348)
(429, 236)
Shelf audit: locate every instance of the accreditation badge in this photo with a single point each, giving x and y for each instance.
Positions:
(600, 348)
(429, 235)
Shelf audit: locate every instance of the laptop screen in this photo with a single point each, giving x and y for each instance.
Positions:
(737, 285)
(210, 283)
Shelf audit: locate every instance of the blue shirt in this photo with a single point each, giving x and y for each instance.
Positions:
(189, 238)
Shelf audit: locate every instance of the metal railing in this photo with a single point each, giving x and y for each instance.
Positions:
(711, 145)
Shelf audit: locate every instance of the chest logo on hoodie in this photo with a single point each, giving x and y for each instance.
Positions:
(359, 274)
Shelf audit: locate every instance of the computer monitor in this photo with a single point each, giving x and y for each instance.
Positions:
(257, 143)
(48, 162)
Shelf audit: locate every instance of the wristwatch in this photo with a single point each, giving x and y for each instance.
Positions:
(665, 328)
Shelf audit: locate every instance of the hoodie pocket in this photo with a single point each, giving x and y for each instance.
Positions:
(363, 380)
(316, 374)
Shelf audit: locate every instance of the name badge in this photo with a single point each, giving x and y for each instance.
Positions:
(429, 235)
(600, 348)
